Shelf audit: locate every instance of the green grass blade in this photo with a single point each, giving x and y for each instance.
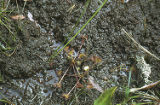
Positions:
(106, 97)
(70, 34)
(80, 29)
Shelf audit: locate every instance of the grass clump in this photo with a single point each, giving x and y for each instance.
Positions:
(7, 36)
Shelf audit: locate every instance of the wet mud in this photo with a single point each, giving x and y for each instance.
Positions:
(29, 77)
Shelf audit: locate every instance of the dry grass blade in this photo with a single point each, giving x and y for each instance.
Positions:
(95, 85)
(141, 47)
(18, 17)
(145, 87)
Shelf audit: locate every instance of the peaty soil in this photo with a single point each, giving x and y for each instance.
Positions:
(30, 76)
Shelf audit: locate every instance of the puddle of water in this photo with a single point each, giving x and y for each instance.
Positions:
(37, 87)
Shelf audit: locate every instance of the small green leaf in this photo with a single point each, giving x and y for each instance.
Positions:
(106, 97)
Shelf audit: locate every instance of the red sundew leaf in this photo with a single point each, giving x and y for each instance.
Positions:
(84, 37)
(51, 64)
(71, 53)
(59, 73)
(96, 59)
(58, 85)
(79, 85)
(122, 1)
(81, 55)
(89, 86)
(66, 96)
(18, 17)
(66, 49)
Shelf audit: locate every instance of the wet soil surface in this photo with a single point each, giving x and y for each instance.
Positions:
(29, 77)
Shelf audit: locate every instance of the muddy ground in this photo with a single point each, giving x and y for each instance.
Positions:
(29, 77)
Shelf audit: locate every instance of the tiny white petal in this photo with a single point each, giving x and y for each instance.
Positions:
(30, 16)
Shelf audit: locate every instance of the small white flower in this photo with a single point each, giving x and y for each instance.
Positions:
(86, 68)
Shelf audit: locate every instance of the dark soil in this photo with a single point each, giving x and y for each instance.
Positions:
(29, 77)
